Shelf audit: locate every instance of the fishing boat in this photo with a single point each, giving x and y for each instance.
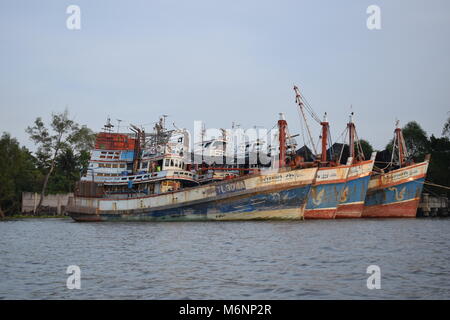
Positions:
(154, 180)
(351, 202)
(338, 190)
(330, 177)
(155, 177)
(394, 191)
(327, 185)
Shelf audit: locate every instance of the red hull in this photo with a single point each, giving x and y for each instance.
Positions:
(407, 209)
(320, 214)
(350, 211)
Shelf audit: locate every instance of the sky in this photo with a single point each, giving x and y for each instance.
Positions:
(224, 61)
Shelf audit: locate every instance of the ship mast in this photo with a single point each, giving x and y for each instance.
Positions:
(137, 147)
(325, 129)
(108, 126)
(351, 137)
(399, 143)
(282, 140)
(298, 100)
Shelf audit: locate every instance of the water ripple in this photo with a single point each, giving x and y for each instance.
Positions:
(236, 260)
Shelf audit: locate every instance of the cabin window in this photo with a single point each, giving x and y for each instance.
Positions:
(171, 163)
(159, 165)
(167, 163)
(115, 165)
(122, 165)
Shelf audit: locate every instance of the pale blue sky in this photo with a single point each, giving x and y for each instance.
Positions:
(224, 61)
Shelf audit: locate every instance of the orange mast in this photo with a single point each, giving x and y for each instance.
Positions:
(325, 128)
(351, 136)
(402, 152)
(282, 140)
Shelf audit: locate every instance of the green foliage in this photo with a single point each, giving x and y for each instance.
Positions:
(64, 134)
(59, 146)
(18, 173)
(61, 157)
(446, 129)
(418, 145)
(439, 169)
(416, 140)
(366, 148)
(68, 170)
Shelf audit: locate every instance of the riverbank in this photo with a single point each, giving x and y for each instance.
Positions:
(22, 216)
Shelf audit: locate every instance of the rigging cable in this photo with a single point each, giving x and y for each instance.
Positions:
(298, 100)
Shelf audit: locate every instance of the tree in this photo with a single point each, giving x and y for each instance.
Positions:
(366, 148)
(446, 129)
(18, 173)
(439, 169)
(69, 168)
(64, 134)
(416, 140)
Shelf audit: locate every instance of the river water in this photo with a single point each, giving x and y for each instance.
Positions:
(226, 260)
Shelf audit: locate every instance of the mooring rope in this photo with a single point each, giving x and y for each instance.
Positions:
(433, 184)
(436, 185)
